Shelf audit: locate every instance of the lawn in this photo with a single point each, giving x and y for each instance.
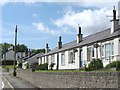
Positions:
(81, 70)
(8, 66)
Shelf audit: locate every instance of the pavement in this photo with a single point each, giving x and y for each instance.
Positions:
(9, 82)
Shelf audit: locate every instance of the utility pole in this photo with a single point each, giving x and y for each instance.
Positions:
(4, 54)
(14, 72)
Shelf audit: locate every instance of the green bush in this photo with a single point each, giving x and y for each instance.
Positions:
(42, 67)
(113, 64)
(9, 62)
(20, 65)
(52, 65)
(27, 65)
(95, 64)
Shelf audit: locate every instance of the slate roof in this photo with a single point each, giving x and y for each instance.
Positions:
(34, 59)
(97, 37)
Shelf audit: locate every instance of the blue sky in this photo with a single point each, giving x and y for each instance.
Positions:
(43, 22)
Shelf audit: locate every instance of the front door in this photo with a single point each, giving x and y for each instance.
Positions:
(57, 61)
(81, 57)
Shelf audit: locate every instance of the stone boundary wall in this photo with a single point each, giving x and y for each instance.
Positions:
(71, 79)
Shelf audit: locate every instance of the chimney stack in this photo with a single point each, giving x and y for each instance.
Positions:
(47, 48)
(115, 22)
(60, 43)
(79, 36)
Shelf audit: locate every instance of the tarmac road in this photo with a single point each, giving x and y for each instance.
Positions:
(10, 82)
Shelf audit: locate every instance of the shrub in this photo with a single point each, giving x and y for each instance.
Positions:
(52, 65)
(113, 64)
(42, 67)
(20, 65)
(27, 65)
(85, 67)
(95, 64)
(9, 62)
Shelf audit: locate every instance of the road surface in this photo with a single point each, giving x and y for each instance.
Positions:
(10, 82)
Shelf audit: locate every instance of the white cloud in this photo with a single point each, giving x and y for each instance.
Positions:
(44, 29)
(91, 21)
(35, 15)
(3, 2)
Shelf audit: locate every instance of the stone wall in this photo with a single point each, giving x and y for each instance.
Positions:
(71, 79)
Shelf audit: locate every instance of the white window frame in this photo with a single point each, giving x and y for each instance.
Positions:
(53, 58)
(111, 50)
(91, 51)
(71, 57)
(63, 59)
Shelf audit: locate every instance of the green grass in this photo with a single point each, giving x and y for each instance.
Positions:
(82, 70)
(8, 66)
(60, 70)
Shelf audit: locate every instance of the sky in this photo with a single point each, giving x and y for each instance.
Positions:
(42, 22)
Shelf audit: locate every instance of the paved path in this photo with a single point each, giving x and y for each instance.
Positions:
(15, 83)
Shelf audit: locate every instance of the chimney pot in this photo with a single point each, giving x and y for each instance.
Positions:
(79, 30)
(79, 36)
(60, 43)
(47, 48)
(115, 22)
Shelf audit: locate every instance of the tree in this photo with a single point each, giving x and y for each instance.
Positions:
(36, 51)
(5, 47)
(22, 48)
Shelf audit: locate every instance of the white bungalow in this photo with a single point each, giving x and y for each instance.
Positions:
(104, 45)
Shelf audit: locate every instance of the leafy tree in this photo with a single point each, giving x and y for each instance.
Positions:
(36, 51)
(4, 47)
(21, 48)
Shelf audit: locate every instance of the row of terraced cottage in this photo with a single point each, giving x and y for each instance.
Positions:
(104, 45)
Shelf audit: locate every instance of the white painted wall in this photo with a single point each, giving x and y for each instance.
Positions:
(55, 58)
(99, 51)
(84, 55)
(117, 49)
(40, 60)
(67, 64)
(114, 26)
(24, 65)
(43, 60)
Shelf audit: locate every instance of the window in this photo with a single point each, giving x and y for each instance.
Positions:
(90, 53)
(102, 50)
(71, 56)
(107, 51)
(52, 58)
(62, 59)
(112, 48)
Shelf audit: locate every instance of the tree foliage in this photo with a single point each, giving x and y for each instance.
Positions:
(4, 47)
(36, 51)
(19, 48)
